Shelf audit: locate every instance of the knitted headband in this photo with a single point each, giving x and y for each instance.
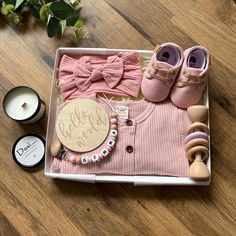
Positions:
(117, 75)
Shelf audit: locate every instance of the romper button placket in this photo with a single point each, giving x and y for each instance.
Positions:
(129, 122)
(129, 149)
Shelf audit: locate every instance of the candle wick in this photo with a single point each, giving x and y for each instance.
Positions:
(23, 105)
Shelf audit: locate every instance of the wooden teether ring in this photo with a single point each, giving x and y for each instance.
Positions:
(197, 149)
(196, 142)
(55, 147)
(198, 126)
(195, 135)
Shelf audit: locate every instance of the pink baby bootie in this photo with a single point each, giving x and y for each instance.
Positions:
(191, 80)
(161, 72)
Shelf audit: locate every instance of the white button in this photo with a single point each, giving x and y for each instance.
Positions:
(95, 158)
(84, 160)
(111, 143)
(113, 133)
(105, 152)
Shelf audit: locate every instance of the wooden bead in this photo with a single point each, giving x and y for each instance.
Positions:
(198, 126)
(113, 114)
(78, 159)
(55, 147)
(114, 126)
(198, 170)
(197, 113)
(196, 142)
(191, 153)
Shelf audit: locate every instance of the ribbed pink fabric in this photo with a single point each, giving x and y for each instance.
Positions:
(157, 137)
(118, 74)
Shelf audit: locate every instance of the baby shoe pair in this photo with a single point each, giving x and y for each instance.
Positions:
(182, 74)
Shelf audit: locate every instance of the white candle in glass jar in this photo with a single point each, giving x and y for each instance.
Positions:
(23, 104)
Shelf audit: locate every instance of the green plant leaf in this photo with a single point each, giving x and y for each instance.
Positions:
(14, 17)
(79, 23)
(42, 13)
(61, 10)
(35, 10)
(33, 2)
(74, 2)
(13, 2)
(6, 9)
(53, 27)
(78, 35)
(47, 8)
(58, 13)
(71, 21)
(18, 3)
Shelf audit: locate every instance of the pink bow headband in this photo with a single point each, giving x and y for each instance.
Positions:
(118, 75)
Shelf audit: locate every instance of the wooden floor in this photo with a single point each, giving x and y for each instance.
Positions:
(31, 204)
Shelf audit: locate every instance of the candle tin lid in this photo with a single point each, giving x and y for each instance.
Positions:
(29, 151)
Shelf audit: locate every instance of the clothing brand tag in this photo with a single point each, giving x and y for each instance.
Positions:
(122, 111)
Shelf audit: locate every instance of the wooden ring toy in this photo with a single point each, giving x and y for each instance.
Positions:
(55, 147)
(191, 153)
(198, 126)
(196, 142)
(194, 135)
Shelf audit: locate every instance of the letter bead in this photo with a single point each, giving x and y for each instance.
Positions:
(113, 133)
(111, 143)
(84, 160)
(95, 158)
(105, 152)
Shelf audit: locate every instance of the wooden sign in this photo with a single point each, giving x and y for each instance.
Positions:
(82, 125)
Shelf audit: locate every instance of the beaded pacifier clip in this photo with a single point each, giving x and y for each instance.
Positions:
(82, 126)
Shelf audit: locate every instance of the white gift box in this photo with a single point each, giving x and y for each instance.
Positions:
(93, 178)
